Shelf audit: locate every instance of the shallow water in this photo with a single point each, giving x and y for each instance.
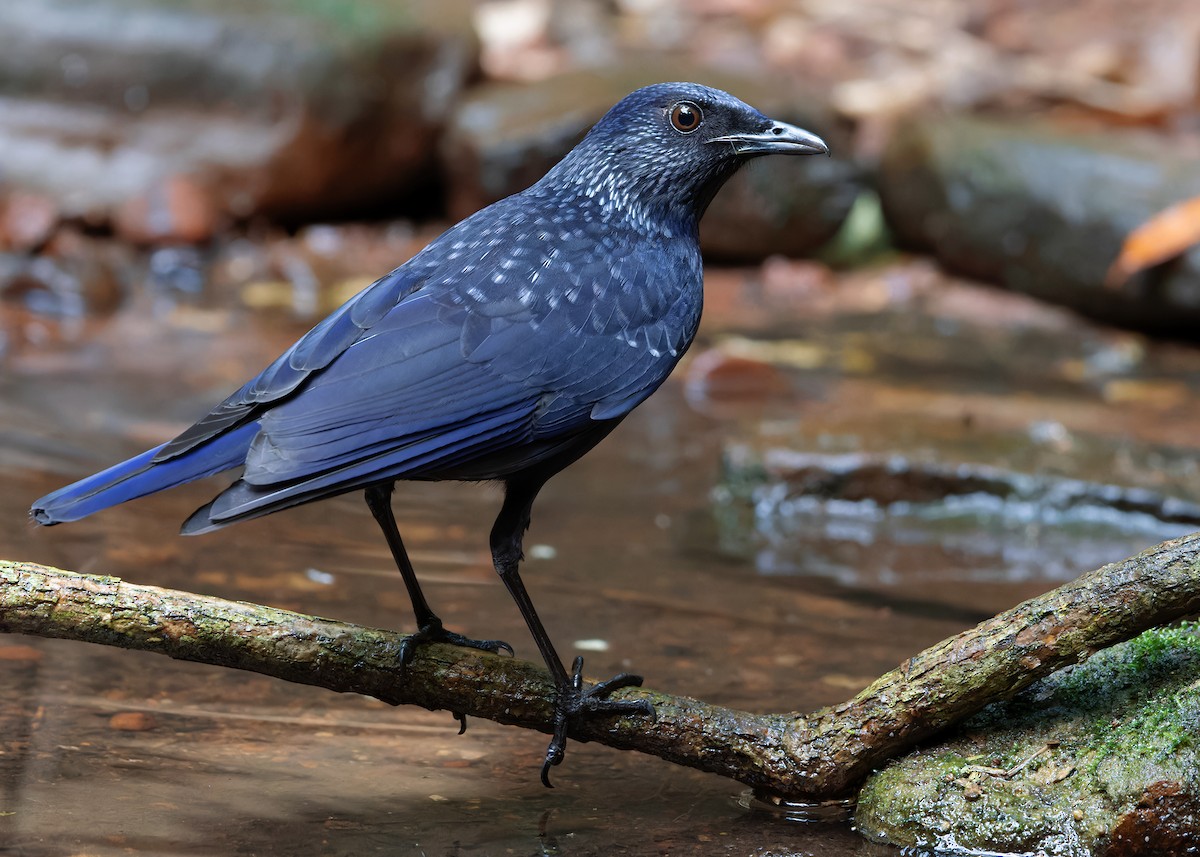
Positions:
(625, 561)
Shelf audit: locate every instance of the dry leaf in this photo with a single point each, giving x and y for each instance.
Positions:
(1162, 237)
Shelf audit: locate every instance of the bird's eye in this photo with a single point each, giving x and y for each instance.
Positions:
(686, 117)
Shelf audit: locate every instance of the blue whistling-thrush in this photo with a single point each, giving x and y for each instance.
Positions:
(504, 350)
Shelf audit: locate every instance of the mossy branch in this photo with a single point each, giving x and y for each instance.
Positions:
(815, 756)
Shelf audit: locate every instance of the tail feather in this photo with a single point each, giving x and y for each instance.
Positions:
(141, 475)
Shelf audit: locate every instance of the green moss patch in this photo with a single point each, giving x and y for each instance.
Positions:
(1059, 768)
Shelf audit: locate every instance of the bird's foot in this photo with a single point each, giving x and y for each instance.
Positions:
(577, 702)
(433, 632)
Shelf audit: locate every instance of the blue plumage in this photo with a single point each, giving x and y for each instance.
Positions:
(142, 475)
(504, 350)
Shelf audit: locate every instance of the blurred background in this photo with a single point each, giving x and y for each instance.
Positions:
(941, 371)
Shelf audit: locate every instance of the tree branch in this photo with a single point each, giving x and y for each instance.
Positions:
(817, 756)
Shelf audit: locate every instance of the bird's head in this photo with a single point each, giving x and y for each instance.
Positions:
(666, 149)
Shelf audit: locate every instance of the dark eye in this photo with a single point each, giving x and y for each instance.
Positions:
(686, 117)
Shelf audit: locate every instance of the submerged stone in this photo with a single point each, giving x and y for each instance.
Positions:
(983, 506)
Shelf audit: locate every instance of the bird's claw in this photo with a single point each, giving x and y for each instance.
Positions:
(433, 632)
(493, 646)
(577, 701)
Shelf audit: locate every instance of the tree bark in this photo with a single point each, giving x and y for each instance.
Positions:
(815, 756)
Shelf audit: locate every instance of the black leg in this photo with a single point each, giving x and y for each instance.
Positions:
(573, 700)
(429, 626)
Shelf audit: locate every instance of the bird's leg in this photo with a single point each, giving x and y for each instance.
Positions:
(573, 700)
(429, 626)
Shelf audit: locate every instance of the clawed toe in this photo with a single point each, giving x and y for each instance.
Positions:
(576, 702)
(493, 646)
(433, 632)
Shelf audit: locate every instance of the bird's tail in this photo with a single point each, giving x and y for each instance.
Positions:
(142, 475)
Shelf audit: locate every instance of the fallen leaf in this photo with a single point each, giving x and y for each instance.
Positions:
(1162, 237)
(1057, 775)
(19, 653)
(849, 682)
(132, 721)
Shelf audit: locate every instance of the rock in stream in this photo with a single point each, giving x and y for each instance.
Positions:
(167, 119)
(1045, 211)
(1098, 760)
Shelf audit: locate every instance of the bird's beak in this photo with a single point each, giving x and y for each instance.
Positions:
(780, 139)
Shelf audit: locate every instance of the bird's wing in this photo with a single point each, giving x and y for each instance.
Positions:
(472, 362)
(401, 396)
(399, 401)
(311, 353)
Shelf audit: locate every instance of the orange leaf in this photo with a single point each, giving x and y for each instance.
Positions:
(1162, 237)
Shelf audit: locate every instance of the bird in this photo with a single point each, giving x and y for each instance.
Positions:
(503, 351)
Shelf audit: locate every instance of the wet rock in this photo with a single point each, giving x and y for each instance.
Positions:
(932, 508)
(502, 138)
(1165, 821)
(60, 287)
(50, 297)
(179, 114)
(1043, 211)
(1098, 759)
(889, 480)
(776, 207)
